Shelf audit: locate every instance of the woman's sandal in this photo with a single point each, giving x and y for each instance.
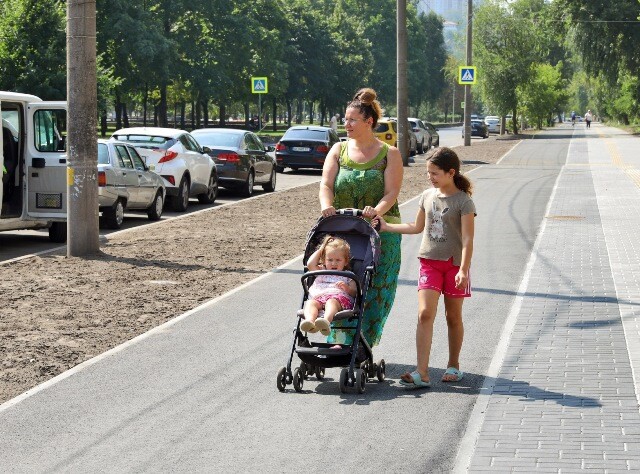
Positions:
(416, 381)
(452, 372)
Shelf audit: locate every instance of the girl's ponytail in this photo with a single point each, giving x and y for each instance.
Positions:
(462, 183)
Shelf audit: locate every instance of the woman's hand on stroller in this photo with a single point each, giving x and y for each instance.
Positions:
(328, 211)
(369, 212)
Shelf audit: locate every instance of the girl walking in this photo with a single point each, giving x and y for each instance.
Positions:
(446, 214)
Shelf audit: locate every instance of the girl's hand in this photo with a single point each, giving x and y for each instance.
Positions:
(328, 211)
(379, 223)
(369, 212)
(462, 279)
(342, 286)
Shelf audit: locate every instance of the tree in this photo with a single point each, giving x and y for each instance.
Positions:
(540, 96)
(32, 47)
(507, 42)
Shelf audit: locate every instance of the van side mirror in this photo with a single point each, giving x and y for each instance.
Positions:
(206, 149)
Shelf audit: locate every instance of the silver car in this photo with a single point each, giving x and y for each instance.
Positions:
(126, 183)
(422, 134)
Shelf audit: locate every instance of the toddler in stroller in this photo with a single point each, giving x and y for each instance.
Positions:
(329, 293)
(356, 359)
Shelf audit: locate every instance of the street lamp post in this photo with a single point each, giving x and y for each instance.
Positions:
(401, 84)
(82, 154)
(467, 88)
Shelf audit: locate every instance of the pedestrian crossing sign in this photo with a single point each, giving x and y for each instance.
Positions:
(259, 85)
(467, 75)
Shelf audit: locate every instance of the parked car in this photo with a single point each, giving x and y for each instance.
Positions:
(176, 156)
(493, 123)
(422, 134)
(478, 129)
(241, 158)
(434, 136)
(304, 146)
(126, 183)
(387, 131)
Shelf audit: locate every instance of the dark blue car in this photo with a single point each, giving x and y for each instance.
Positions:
(304, 146)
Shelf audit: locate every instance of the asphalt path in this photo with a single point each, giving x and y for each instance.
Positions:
(199, 393)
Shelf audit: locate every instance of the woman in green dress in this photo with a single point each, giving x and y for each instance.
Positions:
(366, 173)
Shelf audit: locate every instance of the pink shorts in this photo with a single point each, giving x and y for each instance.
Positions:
(344, 300)
(440, 275)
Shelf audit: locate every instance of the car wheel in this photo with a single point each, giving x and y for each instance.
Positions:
(280, 169)
(180, 202)
(421, 147)
(58, 232)
(114, 216)
(247, 189)
(212, 191)
(154, 211)
(271, 185)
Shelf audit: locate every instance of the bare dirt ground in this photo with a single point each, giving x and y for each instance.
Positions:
(56, 312)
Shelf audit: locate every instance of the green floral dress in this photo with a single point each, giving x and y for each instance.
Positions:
(358, 185)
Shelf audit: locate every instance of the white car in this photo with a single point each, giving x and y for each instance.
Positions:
(422, 134)
(176, 156)
(493, 123)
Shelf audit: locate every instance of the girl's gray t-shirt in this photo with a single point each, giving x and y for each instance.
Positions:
(442, 237)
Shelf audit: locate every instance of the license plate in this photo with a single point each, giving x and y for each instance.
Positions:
(301, 148)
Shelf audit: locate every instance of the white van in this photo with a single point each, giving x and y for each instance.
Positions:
(34, 164)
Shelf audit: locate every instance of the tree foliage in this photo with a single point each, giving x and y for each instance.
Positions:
(164, 55)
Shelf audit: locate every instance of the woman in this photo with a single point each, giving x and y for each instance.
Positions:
(366, 173)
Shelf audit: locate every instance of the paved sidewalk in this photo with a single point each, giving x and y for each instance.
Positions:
(565, 398)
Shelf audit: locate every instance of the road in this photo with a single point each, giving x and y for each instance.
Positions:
(199, 393)
(27, 242)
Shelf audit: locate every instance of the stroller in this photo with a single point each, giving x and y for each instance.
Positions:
(355, 359)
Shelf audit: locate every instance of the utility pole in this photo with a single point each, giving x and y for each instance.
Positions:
(82, 155)
(401, 85)
(467, 88)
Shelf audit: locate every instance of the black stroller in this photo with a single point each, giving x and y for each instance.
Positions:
(357, 358)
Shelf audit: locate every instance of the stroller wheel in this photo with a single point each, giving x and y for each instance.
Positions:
(382, 371)
(344, 377)
(282, 379)
(298, 379)
(319, 373)
(304, 369)
(361, 380)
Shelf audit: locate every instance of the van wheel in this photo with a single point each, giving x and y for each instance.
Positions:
(58, 232)
(114, 216)
(154, 211)
(212, 191)
(180, 202)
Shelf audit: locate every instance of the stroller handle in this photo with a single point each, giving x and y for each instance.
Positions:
(356, 213)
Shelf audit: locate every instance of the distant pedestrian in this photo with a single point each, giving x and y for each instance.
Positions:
(446, 214)
(333, 122)
(587, 118)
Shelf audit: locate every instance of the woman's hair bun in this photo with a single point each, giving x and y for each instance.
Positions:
(366, 96)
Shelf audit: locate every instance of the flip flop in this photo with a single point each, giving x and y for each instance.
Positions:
(417, 381)
(458, 374)
(323, 326)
